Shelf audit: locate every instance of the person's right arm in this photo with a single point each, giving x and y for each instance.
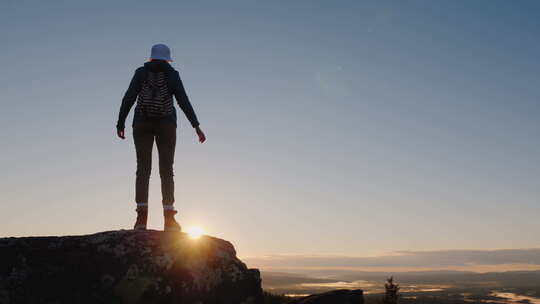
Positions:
(127, 102)
(187, 108)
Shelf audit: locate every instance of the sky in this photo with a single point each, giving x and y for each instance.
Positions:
(348, 129)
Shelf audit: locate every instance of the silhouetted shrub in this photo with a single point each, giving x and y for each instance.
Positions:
(391, 294)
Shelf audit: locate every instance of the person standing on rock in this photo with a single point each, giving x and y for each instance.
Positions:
(153, 86)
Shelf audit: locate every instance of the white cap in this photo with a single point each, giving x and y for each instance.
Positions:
(161, 51)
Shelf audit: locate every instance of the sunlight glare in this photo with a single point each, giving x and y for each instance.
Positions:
(195, 232)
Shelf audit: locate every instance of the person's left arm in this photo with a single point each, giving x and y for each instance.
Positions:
(127, 102)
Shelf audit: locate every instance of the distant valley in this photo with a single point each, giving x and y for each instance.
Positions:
(424, 287)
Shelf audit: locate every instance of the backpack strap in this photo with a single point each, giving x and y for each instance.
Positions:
(170, 83)
(145, 73)
(145, 76)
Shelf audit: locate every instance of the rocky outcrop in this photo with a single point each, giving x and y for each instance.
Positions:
(125, 266)
(341, 296)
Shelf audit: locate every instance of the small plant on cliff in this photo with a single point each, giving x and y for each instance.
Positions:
(391, 294)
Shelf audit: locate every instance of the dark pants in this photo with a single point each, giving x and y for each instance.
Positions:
(164, 133)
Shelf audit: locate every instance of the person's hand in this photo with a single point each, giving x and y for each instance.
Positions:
(120, 134)
(201, 135)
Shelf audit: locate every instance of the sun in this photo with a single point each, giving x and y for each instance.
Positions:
(195, 232)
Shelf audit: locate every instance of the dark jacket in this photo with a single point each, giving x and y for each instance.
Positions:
(175, 86)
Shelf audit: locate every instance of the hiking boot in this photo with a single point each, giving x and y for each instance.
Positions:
(170, 223)
(142, 217)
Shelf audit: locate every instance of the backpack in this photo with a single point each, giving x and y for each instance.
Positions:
(155, 99)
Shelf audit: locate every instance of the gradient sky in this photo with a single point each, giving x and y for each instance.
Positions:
(354, 128)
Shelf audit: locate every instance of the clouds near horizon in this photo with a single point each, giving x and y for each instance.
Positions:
(471, 260)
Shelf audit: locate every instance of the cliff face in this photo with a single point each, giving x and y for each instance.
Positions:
(124, 267)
